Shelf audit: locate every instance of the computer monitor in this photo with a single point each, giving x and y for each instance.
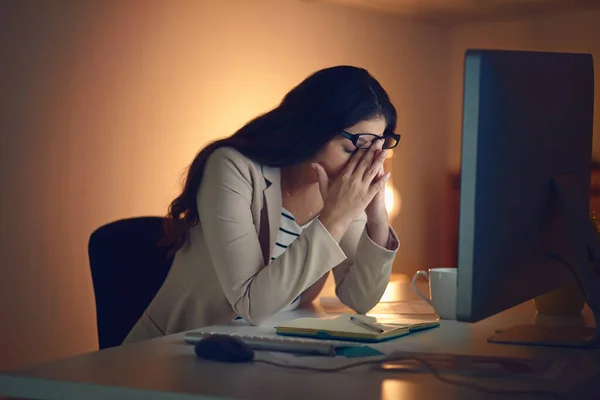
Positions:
(525, 182)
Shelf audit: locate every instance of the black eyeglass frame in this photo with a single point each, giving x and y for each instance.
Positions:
(353, 137)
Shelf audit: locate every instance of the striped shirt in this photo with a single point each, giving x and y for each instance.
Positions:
(289, 230)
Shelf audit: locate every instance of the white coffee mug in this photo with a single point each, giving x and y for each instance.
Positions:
(442, 290)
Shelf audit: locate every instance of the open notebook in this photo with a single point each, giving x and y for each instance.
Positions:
(344, 328)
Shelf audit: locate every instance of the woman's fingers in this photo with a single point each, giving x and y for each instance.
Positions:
(375, 170)
(351, 192)
(323, 179)
(367, 159)
(353, 162)
(378, 185)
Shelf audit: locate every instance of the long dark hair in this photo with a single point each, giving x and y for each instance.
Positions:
(309, 116)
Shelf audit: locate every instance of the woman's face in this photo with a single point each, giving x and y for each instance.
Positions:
(334, 156)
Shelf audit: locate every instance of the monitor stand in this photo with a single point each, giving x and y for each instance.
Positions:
(586, 270)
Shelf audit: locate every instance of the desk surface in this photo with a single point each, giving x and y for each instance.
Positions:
(166, 368)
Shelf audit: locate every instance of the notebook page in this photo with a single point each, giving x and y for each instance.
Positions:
(343, 324)
(396, 323)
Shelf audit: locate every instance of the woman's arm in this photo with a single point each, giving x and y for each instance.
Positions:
(360, 297)
(313, 292)
(356, 191)
(363, 277)
(254, 290)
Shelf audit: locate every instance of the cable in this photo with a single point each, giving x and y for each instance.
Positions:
(431, 369)
(428, 366)
(573, 272)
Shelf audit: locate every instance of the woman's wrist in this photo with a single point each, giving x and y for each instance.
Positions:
(378, 231)
(379, 220)
(335, 226)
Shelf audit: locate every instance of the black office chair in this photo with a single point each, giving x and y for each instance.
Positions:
(128, 267)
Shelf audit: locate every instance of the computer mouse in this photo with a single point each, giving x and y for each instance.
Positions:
(223, 348)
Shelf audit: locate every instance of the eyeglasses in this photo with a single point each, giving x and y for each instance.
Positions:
(365, 140)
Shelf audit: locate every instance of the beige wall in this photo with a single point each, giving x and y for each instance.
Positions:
(104, 103)
(576, 31)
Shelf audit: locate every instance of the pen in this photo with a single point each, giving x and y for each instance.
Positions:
(367, 325)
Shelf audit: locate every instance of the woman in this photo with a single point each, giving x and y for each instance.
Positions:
(266, 213)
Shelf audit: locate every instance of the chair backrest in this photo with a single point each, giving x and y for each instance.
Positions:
(128, 267)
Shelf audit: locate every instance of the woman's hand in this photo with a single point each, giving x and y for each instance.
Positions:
(376, 210)
(378, 226)
(353, 190)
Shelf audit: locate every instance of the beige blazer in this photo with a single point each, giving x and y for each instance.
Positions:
(224, 270)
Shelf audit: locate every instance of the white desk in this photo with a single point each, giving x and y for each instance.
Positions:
(166, 368)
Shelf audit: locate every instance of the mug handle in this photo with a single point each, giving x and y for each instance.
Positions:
(414, 285)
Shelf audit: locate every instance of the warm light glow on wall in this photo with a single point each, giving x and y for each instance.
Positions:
(393, 201)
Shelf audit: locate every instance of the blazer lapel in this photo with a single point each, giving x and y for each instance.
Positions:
(272, 194)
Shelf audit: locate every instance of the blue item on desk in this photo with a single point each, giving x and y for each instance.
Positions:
(362, 351)
(224, 348)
